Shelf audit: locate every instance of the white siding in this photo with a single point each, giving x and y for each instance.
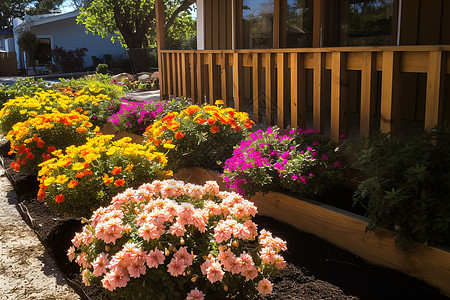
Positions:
(69, 35)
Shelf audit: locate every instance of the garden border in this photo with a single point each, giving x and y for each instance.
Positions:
(347, 231)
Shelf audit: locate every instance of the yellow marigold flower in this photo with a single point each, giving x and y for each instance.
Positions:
(78, 166)
(61, 179)
(49, 181)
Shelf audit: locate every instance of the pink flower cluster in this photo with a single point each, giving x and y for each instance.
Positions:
(152, 228)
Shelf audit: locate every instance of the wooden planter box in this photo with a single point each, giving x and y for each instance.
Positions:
(347, 231)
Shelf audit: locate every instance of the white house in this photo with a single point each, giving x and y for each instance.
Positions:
(62, 30)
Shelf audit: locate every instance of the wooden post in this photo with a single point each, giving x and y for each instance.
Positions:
(193, 63)
(268, 83)
(185, 79)
(160, 40)
(256, 63)
(317, 23)
(339, 96)
(224, 77)
(281, 78)
(179, 78)
(390, 94)
(174, 74)
(199, 76)
(279, 23)
(298, 91)
(238, 87)
(368, 89)
(237, 22)
(318, 86)
(435, 89)
(211, 80)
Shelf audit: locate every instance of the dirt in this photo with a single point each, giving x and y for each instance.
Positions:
(315, 269)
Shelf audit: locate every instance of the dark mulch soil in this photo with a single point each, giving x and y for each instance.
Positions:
(315, 270)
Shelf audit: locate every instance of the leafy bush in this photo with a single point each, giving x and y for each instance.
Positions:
(86, 177)
(134, 117)
(69, 60)
(22, 108)
(169, 240)
(201, 136)
(23, 87)
(300, 161)
(407, 186)
(34, 140)
(91, 85)
(102, 69)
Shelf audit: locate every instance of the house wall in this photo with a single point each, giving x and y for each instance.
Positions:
(69, 35)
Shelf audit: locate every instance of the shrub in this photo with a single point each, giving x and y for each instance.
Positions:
(201, 135)
(407, 186)
(22, 108)
(134, 117)
(34, 140)
(300, 161)
(167, 239)
(87, 176)
(102, 69)
(69, 60)
(23, 87)
(91, 85)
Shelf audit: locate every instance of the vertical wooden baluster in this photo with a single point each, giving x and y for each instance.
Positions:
(200, 78)
(281, 78)
(174, 75)
(184, 78)
(368, 89)
(211, 64)
(256, 63)
(435, 89)
(224, 76)
(390, 94)
(194, 79)
(238, 87)
(179, 72)
(269, 71)
(318, 86)
(339, 96)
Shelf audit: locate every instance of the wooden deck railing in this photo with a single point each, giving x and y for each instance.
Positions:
(207, 75)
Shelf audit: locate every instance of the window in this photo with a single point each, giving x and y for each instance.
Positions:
(299, 23)
(257, 24)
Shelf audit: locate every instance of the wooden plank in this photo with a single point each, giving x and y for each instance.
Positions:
(318, 87)
(160, 40)
(237, 21)
(317, 23)
(200, 87)
(298, 93)
(222, 25)
(281, 78)
(256, 86)
(368, 89)
(179, 72)
(193, 68)
(229, 25)
(276, 24)
(268, 84)
(224, 76)
(414, 62)
(211, 64)
(208, 24)
(185, 79)
(215, 25)
(409, 23)
(339, 96)
(238, 87)
(390, 118)
(174, 74)
(435, 90)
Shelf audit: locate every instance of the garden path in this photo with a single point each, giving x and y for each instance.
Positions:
(27, 271)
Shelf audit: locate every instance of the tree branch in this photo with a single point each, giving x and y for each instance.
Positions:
(184, 6)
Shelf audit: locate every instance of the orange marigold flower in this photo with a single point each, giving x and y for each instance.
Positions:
(169, 116)
(211, 121)
(200, 121)
(72, 184)
(87, 172)
(119, 182)
(214, 129)
(107, 180)
(173, 125)
(16, 167)
(51, 149)
(192, 109)
(116, 170)
(40, 143)
(24, 161)
(41, 195)
(46, 156)
(35, 137)
(30, 155)
(81, 129)
(157, 142)
(179, 135)
(60, 198)
(12, 164)
(79, 175)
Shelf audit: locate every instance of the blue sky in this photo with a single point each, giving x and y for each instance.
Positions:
(67, 6)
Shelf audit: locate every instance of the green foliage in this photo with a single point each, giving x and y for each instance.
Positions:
(23, 87)
(106, 17)
(102, 69)
(407, 186)
(69, 60)
(10, 9)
